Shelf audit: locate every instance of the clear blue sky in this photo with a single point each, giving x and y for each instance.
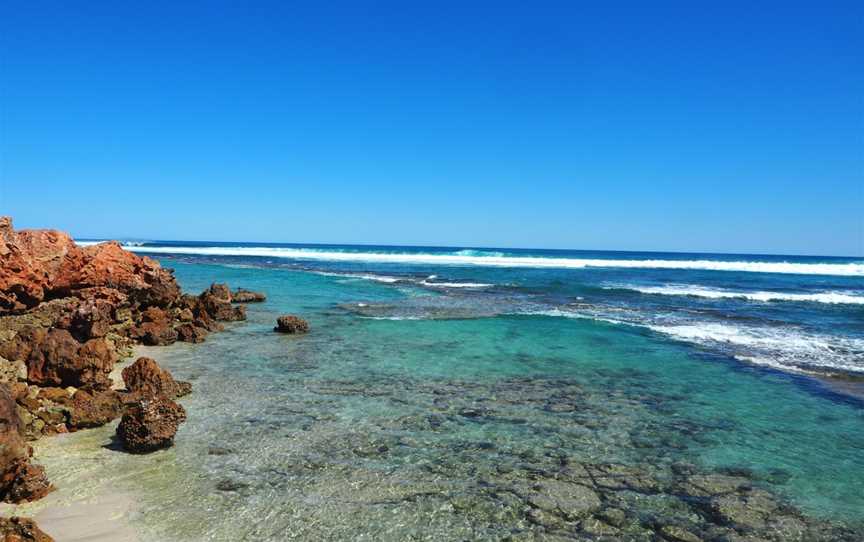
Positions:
(718, 126)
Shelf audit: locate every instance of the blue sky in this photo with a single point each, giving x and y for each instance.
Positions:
(722, 126)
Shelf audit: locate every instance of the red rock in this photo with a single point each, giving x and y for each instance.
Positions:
(62, 361)
(19, 479)
(150, 425)
(17, 529)
(35, 264)
(191, 333)
(94, 410)
(217, 303)
(291, 324)
(30, 261)
(146, 379)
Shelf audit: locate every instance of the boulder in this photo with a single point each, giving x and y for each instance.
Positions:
(216, 301)
(94, 409)
(60, 360)
(16, 529)
(190, 333)
(150, 425)
(19, 479)
(291, 324)
(146, 379)
(242, 295)
(37, 264)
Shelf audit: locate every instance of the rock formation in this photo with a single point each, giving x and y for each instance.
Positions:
(67, 315)
(150, 425)
(146, 379)
(242, 295)
(291, 324)
(17, 529)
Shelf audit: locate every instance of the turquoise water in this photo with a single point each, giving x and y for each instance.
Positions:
(349, 429)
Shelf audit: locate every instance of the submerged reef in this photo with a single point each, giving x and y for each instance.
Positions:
(68, 314)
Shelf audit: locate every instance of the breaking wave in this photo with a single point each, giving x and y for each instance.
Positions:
(497, 259)
(763, 296)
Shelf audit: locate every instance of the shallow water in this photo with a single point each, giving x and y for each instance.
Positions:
(430, 413)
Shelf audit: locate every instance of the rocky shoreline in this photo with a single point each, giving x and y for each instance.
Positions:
(68, 314)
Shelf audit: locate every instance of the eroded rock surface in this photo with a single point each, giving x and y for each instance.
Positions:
(291, 324)
(16, 529)
(150, 425)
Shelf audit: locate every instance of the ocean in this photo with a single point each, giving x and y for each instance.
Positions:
(436, 380)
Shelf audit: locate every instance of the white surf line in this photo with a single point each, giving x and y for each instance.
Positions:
(763, 296)
(839, 269)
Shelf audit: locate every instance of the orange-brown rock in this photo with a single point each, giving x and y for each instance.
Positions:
(191, 333)
(216, 301)
(35, 264)
(17, 529)
(60, 360)
(19, 479)
(150, 425)
(146, 379)
(94, 409)
(291, 324)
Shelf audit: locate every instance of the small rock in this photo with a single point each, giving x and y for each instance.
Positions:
(242, 295)
(17, 529)
(291, 324)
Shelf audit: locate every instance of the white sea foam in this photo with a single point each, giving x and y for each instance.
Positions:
(785, 348)
(500, 260)
(455, 284)
(763, 296)
(362, 276)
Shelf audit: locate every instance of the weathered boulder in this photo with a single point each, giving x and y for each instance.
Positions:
(17, 529)
(146, 379)
(242, 295)
(30, 262)
(19, 479)
(60, 360)
(190, 333)
(36, 264)
(291, 324)
(150, 425)
(216, 301)
(94, 409)
(156, 328)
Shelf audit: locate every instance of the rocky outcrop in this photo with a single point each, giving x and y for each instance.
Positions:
(145, 379)
(67, 315)
(291, 324)
(242, 295)
(20, 480)
(17, 529)
(216, 301)
(150, 425)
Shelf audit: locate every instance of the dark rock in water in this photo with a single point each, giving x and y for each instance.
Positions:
(190, 333)
(19, 479)
(230, 485)
(150, 425)
(146, 379)
(17, 529)
(216, 301)
(291, 324)
(242, 295)
(94, 410)
(219, 450)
